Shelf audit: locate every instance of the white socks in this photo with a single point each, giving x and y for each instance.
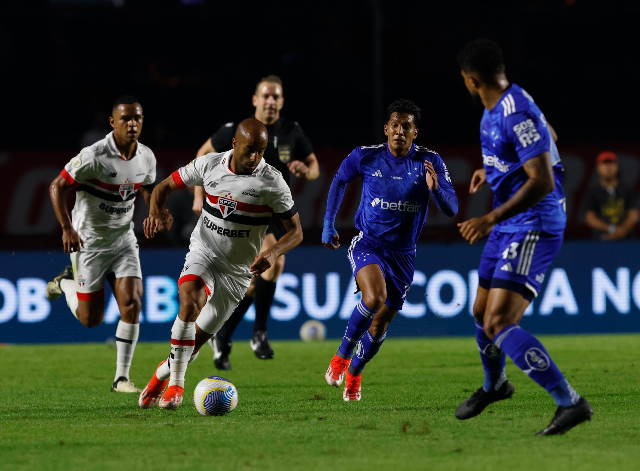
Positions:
(183, 341)
(164, 370)
(126, 339)
(69, 289)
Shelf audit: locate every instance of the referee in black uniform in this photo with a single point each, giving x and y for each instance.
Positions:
(290, 151)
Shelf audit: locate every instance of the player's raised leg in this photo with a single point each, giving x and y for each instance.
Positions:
(370, 279)
(128, 294)
(495, 386)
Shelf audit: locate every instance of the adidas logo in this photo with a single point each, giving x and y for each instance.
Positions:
(378, 173)
(507, 267)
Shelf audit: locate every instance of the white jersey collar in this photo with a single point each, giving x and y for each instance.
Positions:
(111, 143)
(227, 158)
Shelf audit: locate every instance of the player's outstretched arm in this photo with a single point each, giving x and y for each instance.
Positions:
(159, 218)
(539, 184)
(291, 239)
(71, 241)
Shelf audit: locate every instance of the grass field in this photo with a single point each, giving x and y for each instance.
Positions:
(57, 412)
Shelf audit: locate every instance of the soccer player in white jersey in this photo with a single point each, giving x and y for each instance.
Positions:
(243, 192)
(99, 232)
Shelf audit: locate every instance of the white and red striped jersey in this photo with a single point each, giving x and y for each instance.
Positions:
(237, 209)
(106, 185)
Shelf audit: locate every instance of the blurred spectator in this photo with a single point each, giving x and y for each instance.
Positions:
(612, 207)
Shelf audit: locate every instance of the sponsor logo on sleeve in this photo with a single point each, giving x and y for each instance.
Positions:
(526, 132)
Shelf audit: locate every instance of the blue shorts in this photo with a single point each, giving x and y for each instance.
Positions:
(396, 266)
(518, 261)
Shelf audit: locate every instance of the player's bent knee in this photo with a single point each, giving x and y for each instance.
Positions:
(131, 309)
(189, 310)
(494, 323)
(375, 300)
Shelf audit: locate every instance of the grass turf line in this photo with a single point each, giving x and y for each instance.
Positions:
(57, 411)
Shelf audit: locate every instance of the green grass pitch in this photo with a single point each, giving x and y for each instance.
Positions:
(57, 412)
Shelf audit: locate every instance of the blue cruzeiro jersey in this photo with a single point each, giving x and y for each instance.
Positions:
(395, 195)
(512, 132)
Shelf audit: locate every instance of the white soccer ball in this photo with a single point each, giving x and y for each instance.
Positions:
(215, 395)
(312, 330)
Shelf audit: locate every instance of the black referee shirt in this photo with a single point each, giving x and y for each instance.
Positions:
(286, 142)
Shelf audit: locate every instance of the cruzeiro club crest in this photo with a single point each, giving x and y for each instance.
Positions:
(126, 189)
(537, 359)
(226, 204)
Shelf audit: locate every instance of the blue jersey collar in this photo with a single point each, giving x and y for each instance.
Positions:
(393, 158)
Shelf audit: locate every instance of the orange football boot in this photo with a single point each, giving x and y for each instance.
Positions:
(335, 372)
(352, 389)
(150, 395)
(172, 398)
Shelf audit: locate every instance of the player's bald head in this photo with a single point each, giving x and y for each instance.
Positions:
(252, 131)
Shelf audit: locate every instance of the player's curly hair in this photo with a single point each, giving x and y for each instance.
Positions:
(404, 106)
(483, 57)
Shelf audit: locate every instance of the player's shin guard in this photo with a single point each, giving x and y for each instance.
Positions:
(493, 361)
(126, 339)
(69, 289)
(359, 323)
(183, 341)
(531, 357)
(368, 346)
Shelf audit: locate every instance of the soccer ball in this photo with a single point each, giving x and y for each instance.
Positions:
(312, 330)
(215, 395)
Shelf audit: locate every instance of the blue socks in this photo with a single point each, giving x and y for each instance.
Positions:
(493, 361)
(359, 322)
(531, 357)
(367, 349)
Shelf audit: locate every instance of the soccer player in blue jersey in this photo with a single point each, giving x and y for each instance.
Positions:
(397, 179)
(525, 228)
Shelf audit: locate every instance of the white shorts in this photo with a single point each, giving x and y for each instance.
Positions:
(224, 292)
(91, 268)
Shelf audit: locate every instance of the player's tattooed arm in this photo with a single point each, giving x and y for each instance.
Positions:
(159, 218)
(539, 184)
(71, 241)
(291, 239)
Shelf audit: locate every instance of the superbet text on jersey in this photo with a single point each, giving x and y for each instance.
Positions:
(237, 209)
(106, 187)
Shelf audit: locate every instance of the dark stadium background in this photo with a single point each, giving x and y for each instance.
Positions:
(193, 64)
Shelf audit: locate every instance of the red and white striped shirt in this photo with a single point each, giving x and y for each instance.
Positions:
(106, 187)
(237, 209)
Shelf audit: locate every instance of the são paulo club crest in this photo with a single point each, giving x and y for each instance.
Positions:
(81, 280)
(226, 204)
(126, 189)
